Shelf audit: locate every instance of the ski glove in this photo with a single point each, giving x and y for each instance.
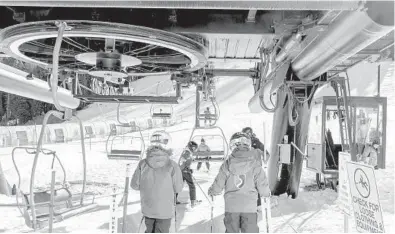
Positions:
(212, 193)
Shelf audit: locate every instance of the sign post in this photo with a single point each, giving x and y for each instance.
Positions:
(344, 188)
(125, 197)
(365, 198)
(113, 225)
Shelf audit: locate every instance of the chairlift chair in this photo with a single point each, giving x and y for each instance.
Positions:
(71, 209)
(65, 204)
(214, 155)
(212, 116)
(161, 111)
(120, 153)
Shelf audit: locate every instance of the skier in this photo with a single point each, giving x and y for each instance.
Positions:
(185, 163)
(255, 142)
(203, 148)
(243, 179)
(158, 178)
(207, 116)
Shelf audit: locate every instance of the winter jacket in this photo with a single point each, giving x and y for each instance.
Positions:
(257, 144)
(158, 178)
(186, 161)
(242, 178)
(203, 148)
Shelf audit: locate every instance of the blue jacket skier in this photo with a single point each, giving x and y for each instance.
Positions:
(242, 178)
(158, 178)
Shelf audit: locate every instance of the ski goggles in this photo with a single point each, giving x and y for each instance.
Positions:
(239, 142)
(159, 147)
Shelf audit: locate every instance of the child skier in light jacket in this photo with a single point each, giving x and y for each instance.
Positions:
(243, 178)
(158, 178)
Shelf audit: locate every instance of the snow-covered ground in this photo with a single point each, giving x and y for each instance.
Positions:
(313, 211)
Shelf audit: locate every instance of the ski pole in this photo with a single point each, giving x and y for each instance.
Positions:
(175, 214)
(212, 215)
(208, 199)
(141, 222)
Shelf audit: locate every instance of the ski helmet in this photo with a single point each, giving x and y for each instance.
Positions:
(247, 130)
(160, 137)
(192, 145)
(240, 139)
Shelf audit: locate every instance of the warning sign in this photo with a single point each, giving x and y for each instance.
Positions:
(344, 197)
(365, 198)
(113, 224)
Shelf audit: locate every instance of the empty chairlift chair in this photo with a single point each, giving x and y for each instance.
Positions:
(125, 145)
(59, 135)
(22, 138)
(65, 203)
(161, 111)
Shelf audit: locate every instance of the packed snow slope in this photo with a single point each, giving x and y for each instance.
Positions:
(313, 211)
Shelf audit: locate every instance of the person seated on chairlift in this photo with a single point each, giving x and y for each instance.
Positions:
(207, 116)
(203, 148)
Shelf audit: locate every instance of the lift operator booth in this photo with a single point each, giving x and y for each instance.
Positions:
(368, 123)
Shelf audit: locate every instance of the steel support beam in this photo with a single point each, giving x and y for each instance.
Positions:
(14, 81)
(213, 4)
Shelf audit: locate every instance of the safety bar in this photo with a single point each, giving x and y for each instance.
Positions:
(141, 137)
(209, 159)
(50, 152)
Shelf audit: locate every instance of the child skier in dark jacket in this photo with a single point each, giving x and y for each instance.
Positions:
(158, 178)
(185, 165)
(242, 178)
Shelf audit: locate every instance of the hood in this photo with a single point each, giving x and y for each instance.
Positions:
(241, 161)
(157, 159)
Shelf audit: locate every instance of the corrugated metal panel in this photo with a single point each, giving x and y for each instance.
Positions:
(237, 46)
(214, 4)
